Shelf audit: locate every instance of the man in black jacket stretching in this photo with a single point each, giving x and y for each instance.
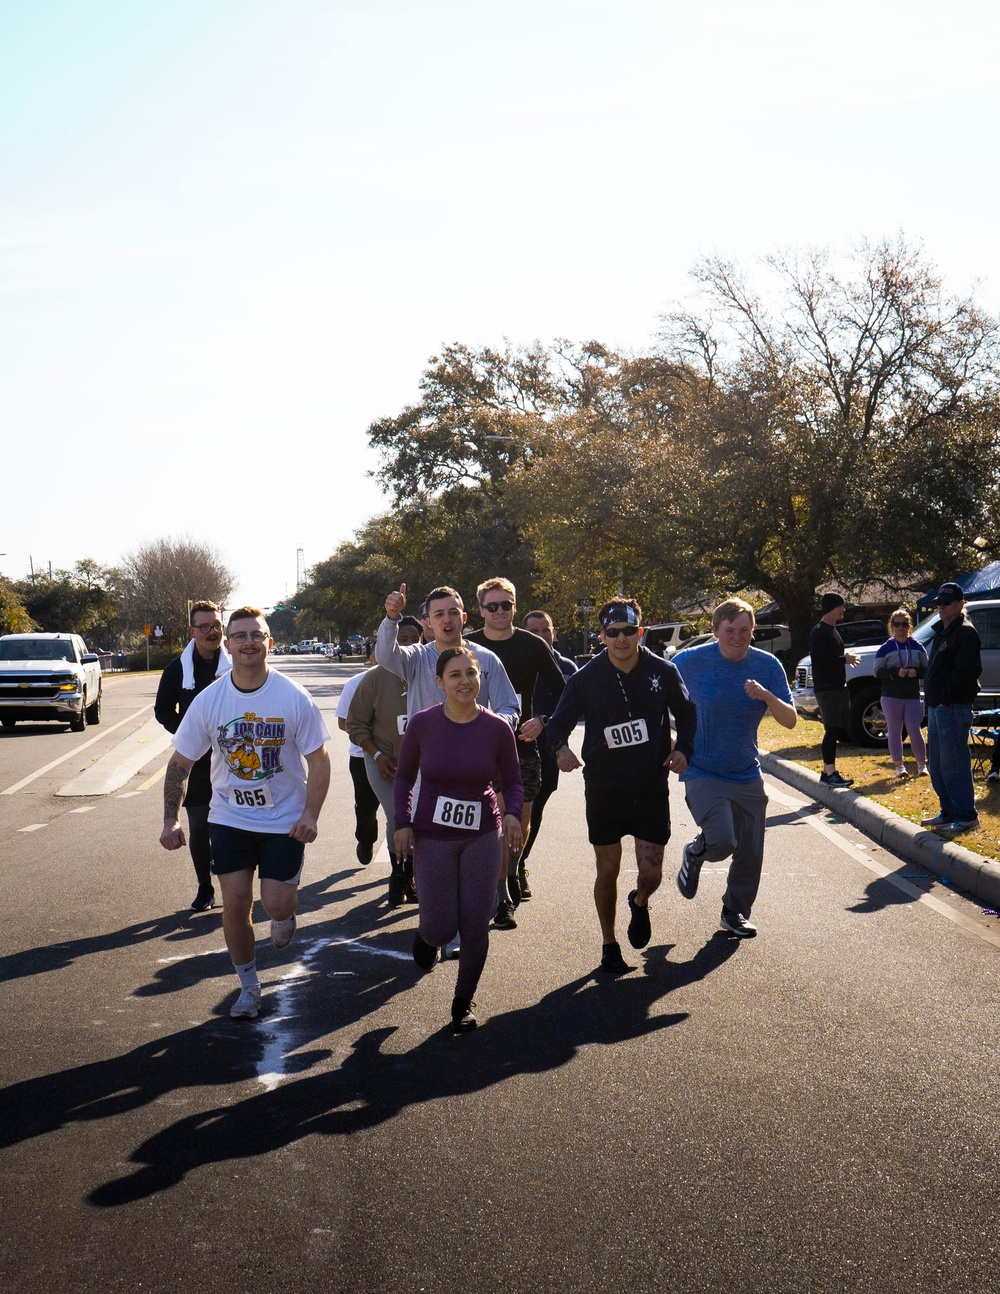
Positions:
(951, 684)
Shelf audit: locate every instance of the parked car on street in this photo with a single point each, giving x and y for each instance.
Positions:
(49, 676)
(867, 726)
(666, 638)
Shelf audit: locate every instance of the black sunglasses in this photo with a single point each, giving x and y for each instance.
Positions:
(629, 631)
(497, 606)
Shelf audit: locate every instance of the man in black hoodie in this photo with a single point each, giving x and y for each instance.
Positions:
(951, 684)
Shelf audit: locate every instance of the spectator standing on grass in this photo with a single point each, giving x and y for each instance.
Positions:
(900, 664)
(951, 684)
(829, 670)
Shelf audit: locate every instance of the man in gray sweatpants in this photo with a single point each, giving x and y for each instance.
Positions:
(733, 686)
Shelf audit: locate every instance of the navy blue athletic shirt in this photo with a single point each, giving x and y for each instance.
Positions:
(605, 698)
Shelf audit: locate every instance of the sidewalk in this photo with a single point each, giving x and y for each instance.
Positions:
(973, 873)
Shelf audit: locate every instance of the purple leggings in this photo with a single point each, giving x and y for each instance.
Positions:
(897, 713)
(457, 884)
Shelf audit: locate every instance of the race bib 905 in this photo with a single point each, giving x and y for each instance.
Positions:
(457, 813)
(250, 797)
(620, 735)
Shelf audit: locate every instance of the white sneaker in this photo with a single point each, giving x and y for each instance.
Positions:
(282, 932)
(246, 1005)
(901, 771)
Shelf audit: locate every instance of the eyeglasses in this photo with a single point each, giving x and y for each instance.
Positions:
(629, 631)
(255, 637)
(207, 629)
(946, 602)
(897, 624)
(497, 606)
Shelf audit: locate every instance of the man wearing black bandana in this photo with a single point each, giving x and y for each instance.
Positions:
(626, 697)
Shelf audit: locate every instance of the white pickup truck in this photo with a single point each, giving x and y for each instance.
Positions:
(49, 676)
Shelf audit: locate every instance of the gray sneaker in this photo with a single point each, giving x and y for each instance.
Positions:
(282, 932)
(687, 877)
(960, 826)
(246, 1005)
(938, 820)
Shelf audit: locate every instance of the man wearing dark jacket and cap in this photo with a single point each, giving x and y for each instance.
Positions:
(829, 671)
(951, 684)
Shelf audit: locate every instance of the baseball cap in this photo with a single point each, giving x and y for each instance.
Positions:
(949, 593)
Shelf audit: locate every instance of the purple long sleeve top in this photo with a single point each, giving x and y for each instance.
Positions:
(457, 763)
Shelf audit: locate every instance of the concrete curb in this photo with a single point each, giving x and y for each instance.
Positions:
(975, 874)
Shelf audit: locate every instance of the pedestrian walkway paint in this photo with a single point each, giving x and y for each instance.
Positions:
(115, 768)
(35, 826)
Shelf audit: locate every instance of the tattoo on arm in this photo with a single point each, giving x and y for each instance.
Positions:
(174, 786)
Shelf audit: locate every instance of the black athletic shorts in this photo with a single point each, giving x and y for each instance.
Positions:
(531, 773)
(613, 814)
(274, 857)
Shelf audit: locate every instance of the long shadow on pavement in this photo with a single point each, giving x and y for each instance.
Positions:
(373, 1086)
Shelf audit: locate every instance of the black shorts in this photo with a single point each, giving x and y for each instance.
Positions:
(531, 773)
(835, 708)
(613, 814)
(276, 857)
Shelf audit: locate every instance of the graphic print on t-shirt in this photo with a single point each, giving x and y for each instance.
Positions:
(251, 746)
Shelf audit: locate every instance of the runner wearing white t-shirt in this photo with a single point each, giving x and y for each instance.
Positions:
(270, 776)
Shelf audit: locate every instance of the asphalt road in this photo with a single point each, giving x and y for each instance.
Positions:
(814, 1110)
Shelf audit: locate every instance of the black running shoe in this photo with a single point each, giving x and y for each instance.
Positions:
(835, 779)
(522, 880)
(424, 954)
(364, 853)
(612, 960)
(462, 1015)
(639, 929)
(504, 918)
(397, 889)
(687, 877)
(737, 925)
(204, 899)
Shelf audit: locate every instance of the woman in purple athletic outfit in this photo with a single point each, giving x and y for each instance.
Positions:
(453, 823)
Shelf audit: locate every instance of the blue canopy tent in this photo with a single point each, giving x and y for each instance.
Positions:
(984, 583)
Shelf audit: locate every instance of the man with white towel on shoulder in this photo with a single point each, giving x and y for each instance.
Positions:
(201, 662)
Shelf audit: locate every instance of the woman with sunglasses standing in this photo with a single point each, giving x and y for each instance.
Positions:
(453, 823)
(901, 663)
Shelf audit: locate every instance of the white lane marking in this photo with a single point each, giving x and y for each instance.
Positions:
(127, 795)
(115, 767)
(35, 826)
(279, 1042)
(87, 808)
(71, 754)
(151, 781)
(885, 873)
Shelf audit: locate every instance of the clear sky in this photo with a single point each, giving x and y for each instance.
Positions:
(232, 232)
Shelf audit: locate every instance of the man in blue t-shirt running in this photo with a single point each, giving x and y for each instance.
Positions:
(733, 685)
